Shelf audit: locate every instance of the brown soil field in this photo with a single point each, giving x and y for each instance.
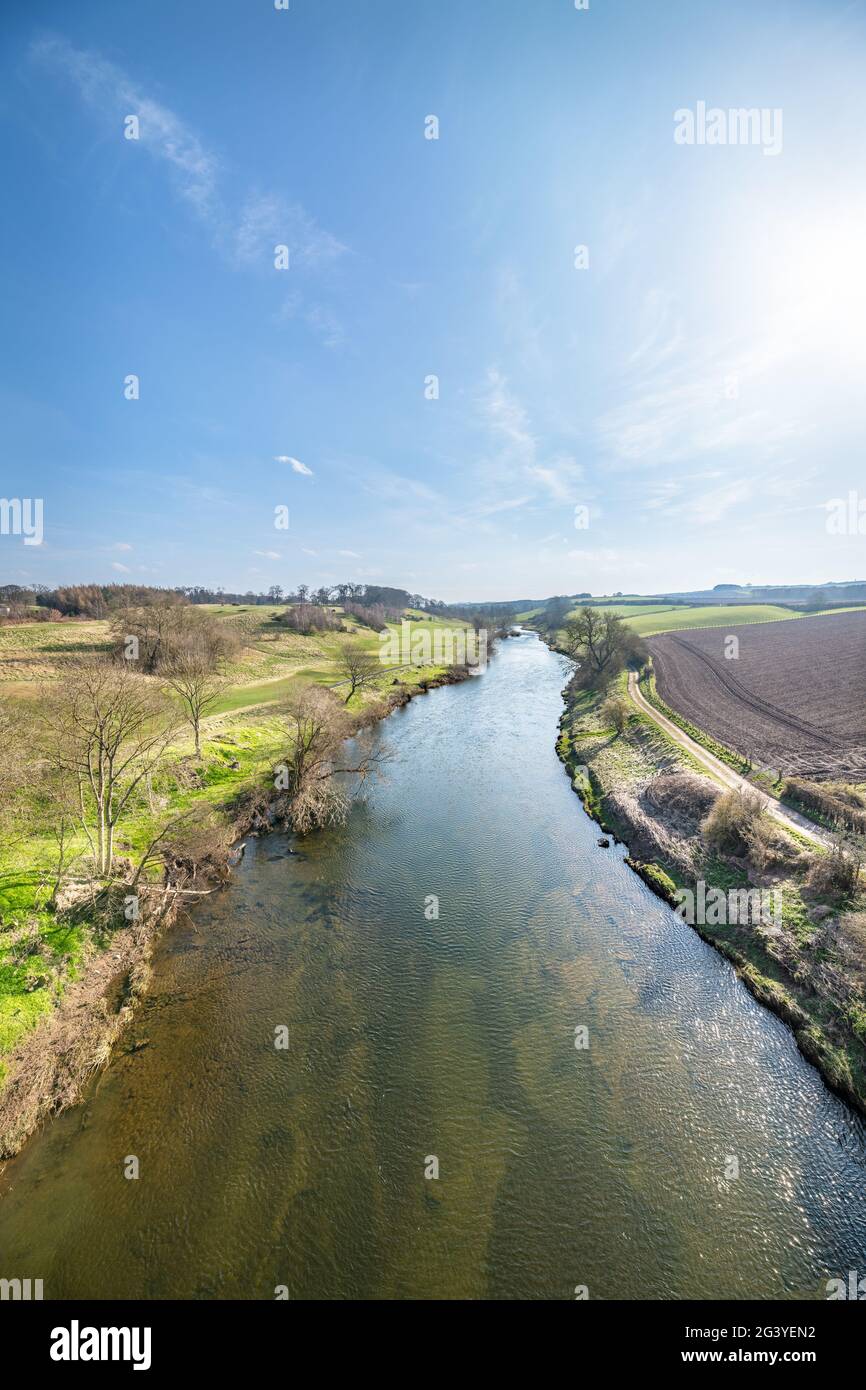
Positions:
(794, 699)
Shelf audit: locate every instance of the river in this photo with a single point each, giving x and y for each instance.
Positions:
(412, 1038)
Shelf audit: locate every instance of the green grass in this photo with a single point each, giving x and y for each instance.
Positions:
(647, 620)
(39, 954)
(630, 610)
(716, 615)
(735, 760)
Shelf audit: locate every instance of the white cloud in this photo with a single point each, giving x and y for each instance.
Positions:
(683, 398)
(297, 466)
(559, 478)
(268, 554)
(326, 326)
(521, 458)
(107, 87)
(121, 569)
(713, 505)
(267, 220)
(245, 234)
(505, 504)
(508, 418)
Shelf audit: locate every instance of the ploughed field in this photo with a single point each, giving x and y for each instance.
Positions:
(794, 698)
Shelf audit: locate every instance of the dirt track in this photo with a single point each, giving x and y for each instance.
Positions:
(721, 771)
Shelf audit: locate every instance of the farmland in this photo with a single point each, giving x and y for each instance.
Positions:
(679, 618)
(792, 698)
(648, 619)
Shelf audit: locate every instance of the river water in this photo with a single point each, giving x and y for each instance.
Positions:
(454, 1038)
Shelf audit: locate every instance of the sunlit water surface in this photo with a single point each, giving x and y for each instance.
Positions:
(453, 1038)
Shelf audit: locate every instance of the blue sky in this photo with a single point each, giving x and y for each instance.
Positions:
(698, 388)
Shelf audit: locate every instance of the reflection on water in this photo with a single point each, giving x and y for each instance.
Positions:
(455, 1038)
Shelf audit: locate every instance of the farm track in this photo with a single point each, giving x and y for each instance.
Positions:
(791, 820)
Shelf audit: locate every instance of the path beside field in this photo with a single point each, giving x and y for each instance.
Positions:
(792, 820)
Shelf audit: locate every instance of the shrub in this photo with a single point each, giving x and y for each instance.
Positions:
(684, 795)
(616, 712)
(307, 618)
(837, 874)
(732, 825)
(833, 801)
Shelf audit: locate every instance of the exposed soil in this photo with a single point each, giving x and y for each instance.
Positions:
(792, 699)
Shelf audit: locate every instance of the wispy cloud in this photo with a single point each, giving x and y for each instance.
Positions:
(109, 90)
(296, 465)
(717, 502)
(326, 326)
(244, 233)
(505, 504)
(267, 220)
(683, 399)
(521, 457)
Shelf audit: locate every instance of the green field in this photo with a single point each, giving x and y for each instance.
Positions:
(649, 620)
(715, 615)
(242, 736)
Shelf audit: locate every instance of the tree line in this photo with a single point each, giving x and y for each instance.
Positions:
(100, 600)
(99, 751)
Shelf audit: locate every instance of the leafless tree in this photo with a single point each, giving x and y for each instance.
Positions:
(16, 766)
(359, 666)
(601, 643)
(167, 628)
(107, 728)
(190, 674)
(316, 764)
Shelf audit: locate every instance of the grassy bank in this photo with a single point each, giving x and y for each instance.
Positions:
(808, 965)
(49, 949)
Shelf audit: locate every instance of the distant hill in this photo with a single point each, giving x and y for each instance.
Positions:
(830, 595)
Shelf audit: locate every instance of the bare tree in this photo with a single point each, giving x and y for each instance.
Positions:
(16, 767)
(601, 643)
(359, 666)
(190, 674)
(107, 729)
(315, 765)
(166, 628)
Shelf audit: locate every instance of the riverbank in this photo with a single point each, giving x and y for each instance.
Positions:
(430, 961)
(805, 961)
(100, 969)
